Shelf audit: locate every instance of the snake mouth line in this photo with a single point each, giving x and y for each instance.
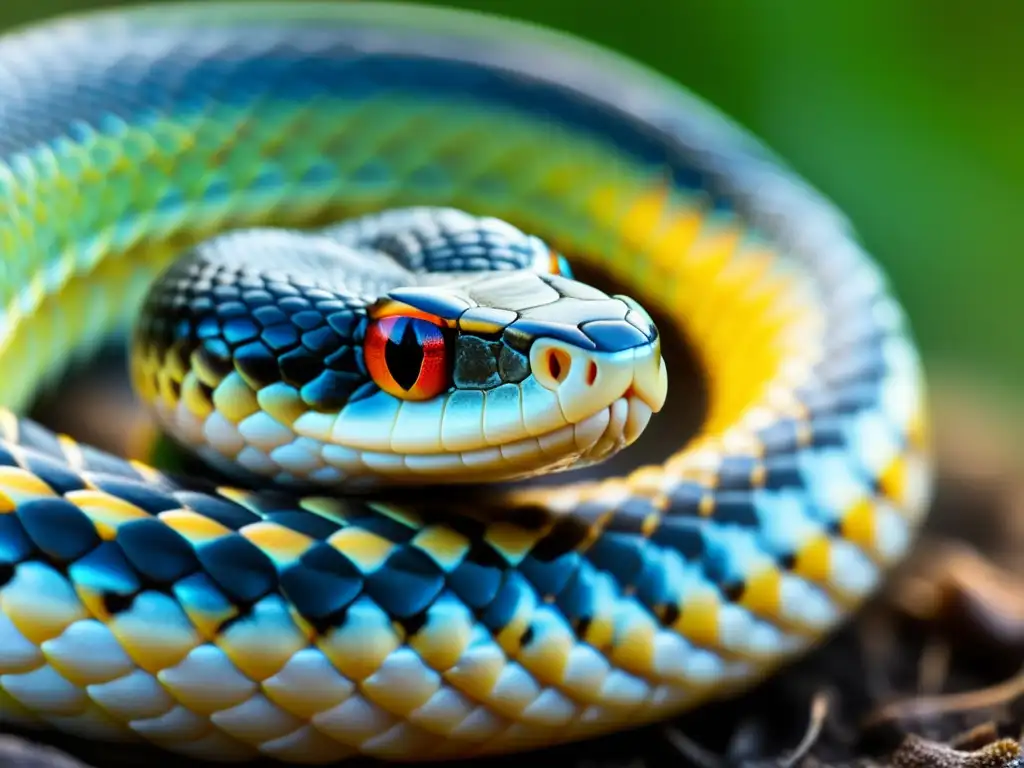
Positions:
(627, 418)
(571, 446)
(296, 453)
(574, 445)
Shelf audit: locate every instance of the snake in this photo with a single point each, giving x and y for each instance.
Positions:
(339, 244)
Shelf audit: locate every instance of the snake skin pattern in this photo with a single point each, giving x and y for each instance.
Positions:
(227, 624)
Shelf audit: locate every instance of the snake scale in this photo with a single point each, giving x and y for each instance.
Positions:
(371, 204)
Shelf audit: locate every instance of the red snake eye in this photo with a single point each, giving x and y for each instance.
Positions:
(407, 357)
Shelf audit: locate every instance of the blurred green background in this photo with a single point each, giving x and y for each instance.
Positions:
(907, 114)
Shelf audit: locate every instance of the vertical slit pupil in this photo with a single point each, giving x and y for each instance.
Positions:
(403, 353)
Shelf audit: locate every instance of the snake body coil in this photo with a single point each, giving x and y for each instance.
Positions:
(309, 626)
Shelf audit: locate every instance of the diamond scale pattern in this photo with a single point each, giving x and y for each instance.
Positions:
(233, 624)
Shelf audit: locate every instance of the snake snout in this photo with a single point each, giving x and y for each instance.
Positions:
(586, 381)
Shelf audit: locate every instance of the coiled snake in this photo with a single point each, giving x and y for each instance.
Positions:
(370, 204)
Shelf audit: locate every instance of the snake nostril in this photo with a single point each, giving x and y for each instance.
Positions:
(558, 363)
(591, 373)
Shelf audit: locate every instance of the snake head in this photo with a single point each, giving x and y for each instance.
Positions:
(257, 352)
(509, 374)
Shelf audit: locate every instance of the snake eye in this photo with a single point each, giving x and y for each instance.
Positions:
(407, 357)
